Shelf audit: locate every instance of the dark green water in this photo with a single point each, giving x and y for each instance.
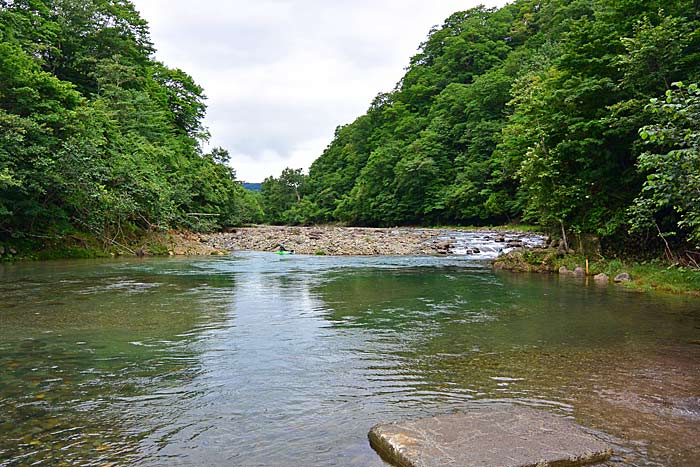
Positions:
(257, 359)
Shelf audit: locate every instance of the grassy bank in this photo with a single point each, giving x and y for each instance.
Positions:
(81, 245)
(75, 245)
(648, 275)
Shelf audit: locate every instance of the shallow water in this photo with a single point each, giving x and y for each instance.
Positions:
(259, 359)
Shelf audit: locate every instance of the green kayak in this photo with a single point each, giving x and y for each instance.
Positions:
(284, 252)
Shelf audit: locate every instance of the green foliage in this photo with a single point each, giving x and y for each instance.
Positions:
(672, 166)
(647, 275)
(668, 278)
(282, 199)
(527, 112)
(97, 136)
(533, 112)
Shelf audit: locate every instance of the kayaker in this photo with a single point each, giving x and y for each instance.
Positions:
(281, 250)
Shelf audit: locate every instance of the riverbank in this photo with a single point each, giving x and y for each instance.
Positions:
(643, 276)
(364, 241)
(313, 240)
(85, 246)
(518, 246)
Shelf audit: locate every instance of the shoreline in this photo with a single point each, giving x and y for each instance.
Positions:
(647, 276)
(520, 254)
(311, 240)
(357, 241)
(408, 241)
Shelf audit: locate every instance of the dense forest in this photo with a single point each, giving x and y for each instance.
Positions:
(577, 115)
(97, 137)
(580, 116)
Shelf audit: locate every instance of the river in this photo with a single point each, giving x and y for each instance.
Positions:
(259, 359)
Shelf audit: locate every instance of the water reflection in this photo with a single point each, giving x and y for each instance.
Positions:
(470, 337)
(88, 348)
(258, 359)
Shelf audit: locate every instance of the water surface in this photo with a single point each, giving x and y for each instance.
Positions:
(258, 359)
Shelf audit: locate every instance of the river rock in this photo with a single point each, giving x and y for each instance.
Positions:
(623, 277)
(579, 271)
(564, 271)
(503, 436)
(442, 247)
(601, 278)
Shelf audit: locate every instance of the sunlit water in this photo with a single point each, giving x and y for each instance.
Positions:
(259, 359)
(488, 244)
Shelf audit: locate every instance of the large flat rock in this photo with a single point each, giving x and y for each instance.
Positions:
(501, 436)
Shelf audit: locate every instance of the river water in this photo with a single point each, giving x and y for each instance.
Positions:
(258, 359)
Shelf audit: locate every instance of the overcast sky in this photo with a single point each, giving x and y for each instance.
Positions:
(281, 75)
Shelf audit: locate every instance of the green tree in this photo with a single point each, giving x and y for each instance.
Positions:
(281, 195)
(97, 136)
(672, 165)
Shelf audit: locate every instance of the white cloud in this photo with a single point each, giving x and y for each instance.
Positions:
(282, 75)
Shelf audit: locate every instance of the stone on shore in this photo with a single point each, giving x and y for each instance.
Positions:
(623, 277)
(502, 436)
(602, 278)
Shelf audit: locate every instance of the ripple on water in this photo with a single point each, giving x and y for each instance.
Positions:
(204, 361)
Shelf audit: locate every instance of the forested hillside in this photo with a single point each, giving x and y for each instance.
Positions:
(98, 137)
(540, 111)
(582, 116)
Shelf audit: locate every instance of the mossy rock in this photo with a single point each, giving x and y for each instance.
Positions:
(528, 260)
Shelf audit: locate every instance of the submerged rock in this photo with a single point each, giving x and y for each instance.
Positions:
(504, 436)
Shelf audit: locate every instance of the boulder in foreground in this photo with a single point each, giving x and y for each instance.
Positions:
(502, 436)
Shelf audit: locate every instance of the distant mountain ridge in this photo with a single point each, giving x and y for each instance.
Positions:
(252, 186)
